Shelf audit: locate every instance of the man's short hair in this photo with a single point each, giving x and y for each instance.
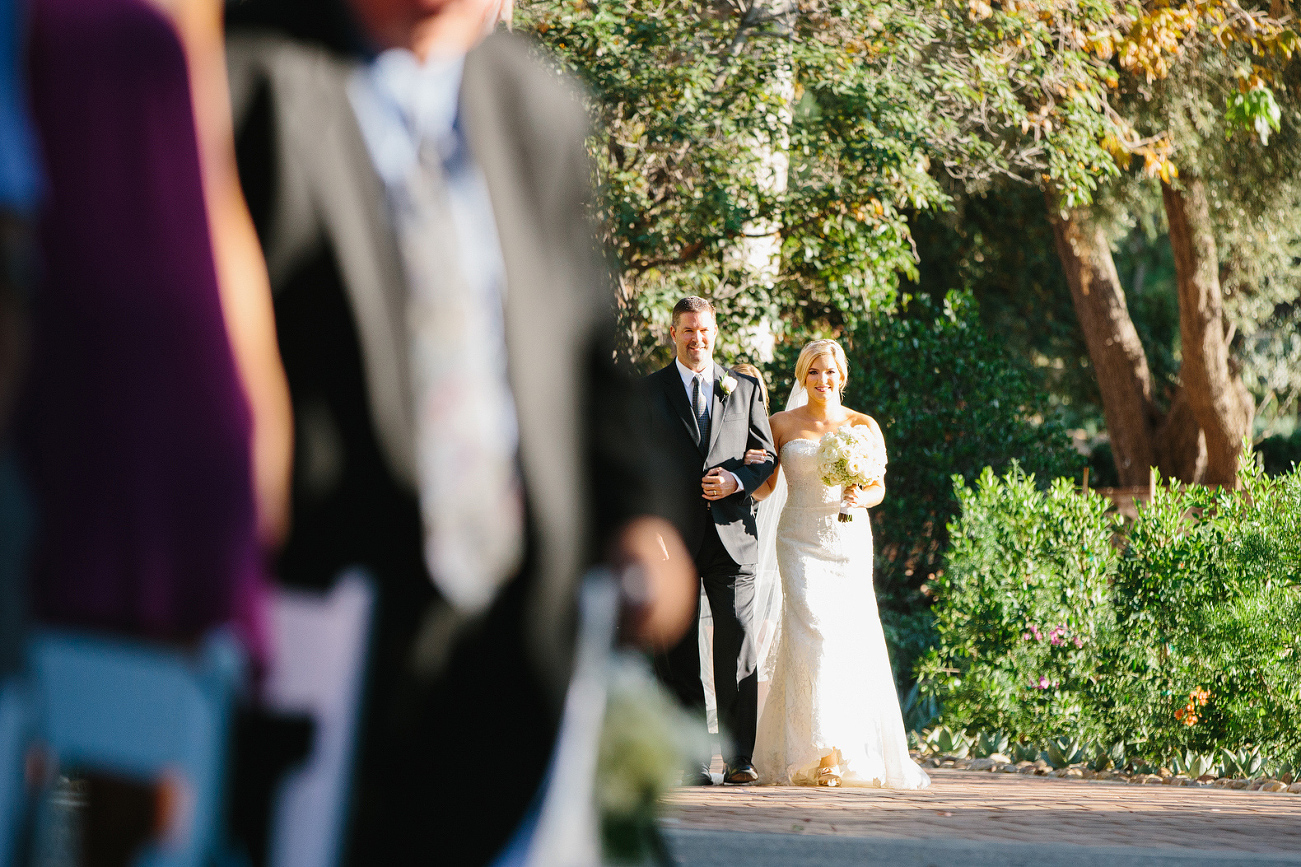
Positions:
(692, 304)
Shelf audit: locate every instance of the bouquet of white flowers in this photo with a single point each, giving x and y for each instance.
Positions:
(852, 455)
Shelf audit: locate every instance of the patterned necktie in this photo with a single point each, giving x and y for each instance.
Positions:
(467, 435)
(700, 407)
(467, 438)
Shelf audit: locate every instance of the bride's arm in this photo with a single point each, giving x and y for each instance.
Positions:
(758, 456)
(765, 489)
(867, 496)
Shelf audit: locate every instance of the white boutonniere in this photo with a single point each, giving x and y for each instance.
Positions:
(727, 383)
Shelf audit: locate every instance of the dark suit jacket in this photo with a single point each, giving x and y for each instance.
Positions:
(738, 422)
(340, 296)
(321, 214)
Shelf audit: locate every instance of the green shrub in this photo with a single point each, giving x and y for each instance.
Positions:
(1207, 605)
(1187, 618)
(950, 400)
(1020, 607)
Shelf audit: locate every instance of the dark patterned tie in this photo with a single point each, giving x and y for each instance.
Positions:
(701, 408)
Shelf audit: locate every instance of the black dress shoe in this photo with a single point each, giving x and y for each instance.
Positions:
(741, 773)
(697, 777)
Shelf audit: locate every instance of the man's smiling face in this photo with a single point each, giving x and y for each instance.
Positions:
(693, 334)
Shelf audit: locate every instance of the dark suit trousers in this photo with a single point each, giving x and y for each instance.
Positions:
(729, 587)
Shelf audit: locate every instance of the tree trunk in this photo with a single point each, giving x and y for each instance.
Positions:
(1114, 347)
(1180, 443)
(1215, 395)
(754, 261)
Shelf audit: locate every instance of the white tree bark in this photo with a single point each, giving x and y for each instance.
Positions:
(754, 262)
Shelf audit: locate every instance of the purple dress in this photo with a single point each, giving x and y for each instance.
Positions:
(135, 430)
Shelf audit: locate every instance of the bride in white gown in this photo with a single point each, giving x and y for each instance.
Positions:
(831, 717)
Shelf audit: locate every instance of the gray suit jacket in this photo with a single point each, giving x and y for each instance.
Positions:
(525, 127)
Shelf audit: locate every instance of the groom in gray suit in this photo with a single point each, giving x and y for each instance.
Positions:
(707, 419)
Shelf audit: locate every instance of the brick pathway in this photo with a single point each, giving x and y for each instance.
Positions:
(973, 807)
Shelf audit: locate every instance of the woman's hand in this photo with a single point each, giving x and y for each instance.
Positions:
(755, 456)
(859, 497)
(852, 497)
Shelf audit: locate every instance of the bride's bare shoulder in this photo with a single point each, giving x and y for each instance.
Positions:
(862, 418)
(781, 424)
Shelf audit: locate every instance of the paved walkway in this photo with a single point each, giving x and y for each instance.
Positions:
(970, 818)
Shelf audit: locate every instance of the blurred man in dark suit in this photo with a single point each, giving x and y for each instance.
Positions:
(421, 195)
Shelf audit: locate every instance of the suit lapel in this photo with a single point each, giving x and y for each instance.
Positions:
(555, 300)
(677, 396)
(330, 149)
(717, 407)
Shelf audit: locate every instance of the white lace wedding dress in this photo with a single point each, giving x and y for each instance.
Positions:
(831, 691)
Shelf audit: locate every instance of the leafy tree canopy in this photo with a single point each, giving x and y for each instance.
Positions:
(868, 101)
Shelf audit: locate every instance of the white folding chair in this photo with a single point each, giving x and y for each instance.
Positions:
(142, 712)
(15, 732)
(318, 667)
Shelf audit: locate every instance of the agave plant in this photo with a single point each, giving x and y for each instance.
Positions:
(1194, 765)
(1203, 764)
(1065, 751)
(1109, 757)
(1022, 752)
(946, 742)
(987, 744)
(1278, 769)
(1242, 763)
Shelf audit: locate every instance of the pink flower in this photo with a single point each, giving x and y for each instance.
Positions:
(1079, 642)
(1056, 640)
(1043, 682)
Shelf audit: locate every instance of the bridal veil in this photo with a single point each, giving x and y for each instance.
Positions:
(767, 591)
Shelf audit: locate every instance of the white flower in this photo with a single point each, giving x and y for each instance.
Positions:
(727, 383)
(856, 465)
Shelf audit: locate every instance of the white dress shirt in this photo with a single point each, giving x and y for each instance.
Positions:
(706, 385)
(706, 395)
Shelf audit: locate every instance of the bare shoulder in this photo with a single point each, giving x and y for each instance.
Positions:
(780, 424)
(779, 419)
(864, 420)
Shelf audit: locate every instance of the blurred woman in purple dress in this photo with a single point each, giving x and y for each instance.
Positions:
(155, 426)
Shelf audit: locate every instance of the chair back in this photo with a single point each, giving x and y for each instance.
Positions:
(144, 712)
(15, 732)
(318, 668)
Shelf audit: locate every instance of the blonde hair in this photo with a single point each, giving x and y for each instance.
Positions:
(816, 350)
(752, 371)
